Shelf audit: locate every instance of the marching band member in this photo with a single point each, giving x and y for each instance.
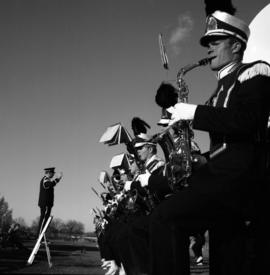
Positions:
(154, 165)
(111, 261)
(136, 233)
(225, 191)
(117, 256)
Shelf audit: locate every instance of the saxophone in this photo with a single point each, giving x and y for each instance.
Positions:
(175, 141)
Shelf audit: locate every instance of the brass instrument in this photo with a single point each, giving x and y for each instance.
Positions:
(139, 199)
(175, 141)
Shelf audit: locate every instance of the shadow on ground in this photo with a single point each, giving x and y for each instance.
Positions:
(66, 258)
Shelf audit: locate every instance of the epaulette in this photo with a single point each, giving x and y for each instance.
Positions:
(250, 70)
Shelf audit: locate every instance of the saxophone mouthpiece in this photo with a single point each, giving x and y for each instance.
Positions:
(204, 61)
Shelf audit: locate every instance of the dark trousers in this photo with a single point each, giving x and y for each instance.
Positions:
(114, 241)
(135, 245)
(199, 241)
(45, 212)
(126, 242)
(228, 248)
(174, 220)
(100, 244)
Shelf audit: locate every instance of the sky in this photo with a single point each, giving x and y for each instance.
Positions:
(71, 68)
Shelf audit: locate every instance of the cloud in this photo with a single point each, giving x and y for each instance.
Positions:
(181, 32)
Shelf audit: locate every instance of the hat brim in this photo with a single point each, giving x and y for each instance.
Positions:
(163, 122)
(204, 41)
(141, 144)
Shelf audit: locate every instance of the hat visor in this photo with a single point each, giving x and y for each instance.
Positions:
(141, 144)
(204, 41)
(163, 122)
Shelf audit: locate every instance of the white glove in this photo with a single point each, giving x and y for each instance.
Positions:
(59, 176)
(113, 268)
(127, 185)
(106, 264)
(118, 196)
(122, 270)
(182, 111)
(143, 178)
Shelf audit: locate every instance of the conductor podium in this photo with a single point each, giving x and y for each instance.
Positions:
(39, 242)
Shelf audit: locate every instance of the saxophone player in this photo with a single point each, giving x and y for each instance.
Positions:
(224, 192)
(153, 164)
(135, 237)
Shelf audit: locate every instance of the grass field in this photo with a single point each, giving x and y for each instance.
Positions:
(67, 257)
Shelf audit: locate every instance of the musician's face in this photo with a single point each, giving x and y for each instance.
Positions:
(221, 52)
(133, 167)
(144, 153)
(124, 177)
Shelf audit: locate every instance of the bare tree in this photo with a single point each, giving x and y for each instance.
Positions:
(74, 228)
(56, 226)
(21, 221)
(5, 215)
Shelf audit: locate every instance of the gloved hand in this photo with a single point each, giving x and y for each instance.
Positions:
(118, 196)
(182, 111)
(127, 185)
(105, 264)
(122, 270)
(59, 176)
(112, 268)
(143, 178)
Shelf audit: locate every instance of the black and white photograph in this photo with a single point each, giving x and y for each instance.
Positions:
(135, 137)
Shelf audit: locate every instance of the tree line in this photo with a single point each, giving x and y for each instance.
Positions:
(57, 228)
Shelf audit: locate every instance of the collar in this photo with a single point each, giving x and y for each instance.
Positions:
(229, 68)
(150, 160)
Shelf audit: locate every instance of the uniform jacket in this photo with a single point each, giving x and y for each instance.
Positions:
(46, 191)
(152, 165)
(236, 115)
(157, 183)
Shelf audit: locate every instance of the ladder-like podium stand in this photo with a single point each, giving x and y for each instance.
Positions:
(38, 243)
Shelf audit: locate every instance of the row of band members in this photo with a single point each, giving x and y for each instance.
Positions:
(127, 205)
(228, 195)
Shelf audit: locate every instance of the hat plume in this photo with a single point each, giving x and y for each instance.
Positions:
(139, 126)
(224, 5)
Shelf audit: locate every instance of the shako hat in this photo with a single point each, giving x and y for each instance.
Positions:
(223, 24)
(143, 139)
